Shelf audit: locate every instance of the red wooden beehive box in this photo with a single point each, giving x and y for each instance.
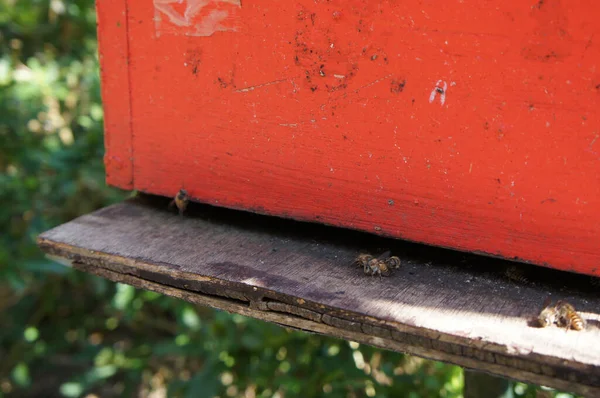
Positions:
(464, 124)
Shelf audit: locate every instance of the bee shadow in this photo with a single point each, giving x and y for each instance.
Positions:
(533, 322)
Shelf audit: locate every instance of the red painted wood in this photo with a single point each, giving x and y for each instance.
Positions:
(114, 55)
(327, 111)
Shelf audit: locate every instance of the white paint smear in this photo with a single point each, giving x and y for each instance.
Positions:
(200, 18)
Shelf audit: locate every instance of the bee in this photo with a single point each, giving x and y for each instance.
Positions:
(549, 315)
(181, 200)
(378, 267)
(363, 260)
(393, 262)
(368, 268)
(516, 274)
(568, 317)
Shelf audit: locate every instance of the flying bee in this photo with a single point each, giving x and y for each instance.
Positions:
(181, 200)
(393, 262)
(568, 317)
(549, 315)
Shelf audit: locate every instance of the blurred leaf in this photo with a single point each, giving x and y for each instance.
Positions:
(20, 375)
(123, 297)
(203, 384)
(190, 318)
(44, 266)
(31, 334)
(100, 373)
(71, 389)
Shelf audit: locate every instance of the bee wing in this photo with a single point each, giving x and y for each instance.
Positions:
(547, 302)
(384, 255)
(562, 304)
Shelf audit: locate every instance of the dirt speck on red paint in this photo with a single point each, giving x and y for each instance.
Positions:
(193, 60)
(327, 59)
(397, 86)
(222, 82)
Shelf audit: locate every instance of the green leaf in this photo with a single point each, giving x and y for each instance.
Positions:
(190, 318)
(71, 389)
(20, 375)
(123, 297)
(31, 334)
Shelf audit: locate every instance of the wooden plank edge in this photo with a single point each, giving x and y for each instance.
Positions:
(553, 372)
(329, 328)
(113, 53)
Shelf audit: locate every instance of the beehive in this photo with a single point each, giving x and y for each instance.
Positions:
(469, 125)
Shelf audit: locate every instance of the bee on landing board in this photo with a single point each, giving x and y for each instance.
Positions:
(549, 315)
(181, 200)
(516, 274)
(562, 314)
(377, 266)
(362, 260)
(568, 317)
(393, 262)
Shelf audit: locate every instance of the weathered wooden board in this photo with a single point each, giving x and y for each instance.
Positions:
(116, 91)
(440, 304)
(464, 124)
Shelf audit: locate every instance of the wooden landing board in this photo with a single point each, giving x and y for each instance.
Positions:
(440, 304)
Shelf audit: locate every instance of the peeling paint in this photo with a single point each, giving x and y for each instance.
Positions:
(195, 17)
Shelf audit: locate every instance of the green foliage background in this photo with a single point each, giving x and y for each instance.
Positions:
(64, 333)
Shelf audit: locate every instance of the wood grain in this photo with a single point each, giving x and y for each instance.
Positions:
(113, 41)
(329, 111)
(440, 304)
